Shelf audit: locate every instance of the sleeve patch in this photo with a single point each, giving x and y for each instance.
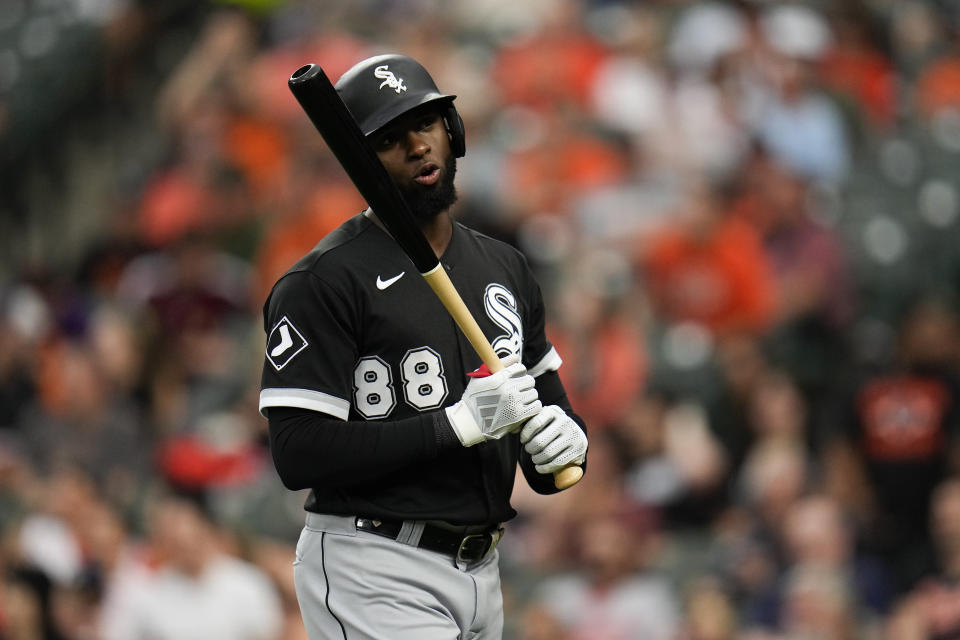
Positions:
(284, 343)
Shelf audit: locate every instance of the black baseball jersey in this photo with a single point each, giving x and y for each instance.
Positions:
(355, 333)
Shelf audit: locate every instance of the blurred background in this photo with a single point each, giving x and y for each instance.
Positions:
(745, 218)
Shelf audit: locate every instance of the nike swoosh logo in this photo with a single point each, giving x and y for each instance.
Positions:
(285, 342)
(383, 284)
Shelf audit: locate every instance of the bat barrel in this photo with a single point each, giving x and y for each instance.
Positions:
(319, 99)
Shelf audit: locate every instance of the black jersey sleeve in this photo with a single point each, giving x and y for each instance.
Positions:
(310, 449)
(311, 346)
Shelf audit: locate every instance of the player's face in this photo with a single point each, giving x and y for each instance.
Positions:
(415, 150)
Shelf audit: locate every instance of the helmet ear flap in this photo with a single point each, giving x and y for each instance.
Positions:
(458, 136)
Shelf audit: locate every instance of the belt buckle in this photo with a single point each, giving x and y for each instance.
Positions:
(475, 546)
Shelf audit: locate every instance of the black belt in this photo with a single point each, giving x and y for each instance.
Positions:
(469, 548)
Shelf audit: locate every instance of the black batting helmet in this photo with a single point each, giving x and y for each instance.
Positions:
(379, 89)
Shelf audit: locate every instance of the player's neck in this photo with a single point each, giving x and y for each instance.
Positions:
(438, 231)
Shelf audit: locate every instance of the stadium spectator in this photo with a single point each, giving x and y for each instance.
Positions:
(612, 596)
(812, 278)
(800, 125)
(197, 588)
(857, 69)
(897, 440)
(930, 609)
(552, 67)
(709, 268)
(677, 467)
(79, 420)
(28, 608)
(815, 292)
(816, 533)
(938, 84)
(818, 604)
(742, 366)
(709, 613)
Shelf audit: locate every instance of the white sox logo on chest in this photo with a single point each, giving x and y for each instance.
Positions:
(501, 307)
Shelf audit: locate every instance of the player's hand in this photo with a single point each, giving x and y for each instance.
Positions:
(495, 405)
(553, 440)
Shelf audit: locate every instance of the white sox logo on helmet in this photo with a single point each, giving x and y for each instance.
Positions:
(389, 80)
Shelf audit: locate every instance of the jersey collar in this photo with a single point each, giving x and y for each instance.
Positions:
(450, 255)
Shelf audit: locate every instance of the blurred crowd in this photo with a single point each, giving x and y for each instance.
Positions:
(744, 217)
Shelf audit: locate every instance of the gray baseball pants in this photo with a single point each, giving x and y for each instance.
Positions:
(356, 585)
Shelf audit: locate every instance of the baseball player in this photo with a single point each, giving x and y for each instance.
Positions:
(409, 460)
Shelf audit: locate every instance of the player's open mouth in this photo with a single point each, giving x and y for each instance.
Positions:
(428, 174)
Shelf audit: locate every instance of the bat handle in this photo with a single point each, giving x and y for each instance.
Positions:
(439, 281)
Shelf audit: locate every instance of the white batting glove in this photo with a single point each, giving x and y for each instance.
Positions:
(553, 440)
(495, 405)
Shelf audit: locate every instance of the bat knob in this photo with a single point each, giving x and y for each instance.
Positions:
(567, 477)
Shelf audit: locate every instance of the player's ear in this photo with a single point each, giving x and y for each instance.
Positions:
(455, 129)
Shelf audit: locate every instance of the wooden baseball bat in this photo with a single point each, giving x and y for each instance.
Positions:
(320, 100)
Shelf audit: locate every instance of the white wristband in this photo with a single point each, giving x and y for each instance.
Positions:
(463, 423)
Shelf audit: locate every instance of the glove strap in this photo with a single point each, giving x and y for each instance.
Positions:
(463, 422)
